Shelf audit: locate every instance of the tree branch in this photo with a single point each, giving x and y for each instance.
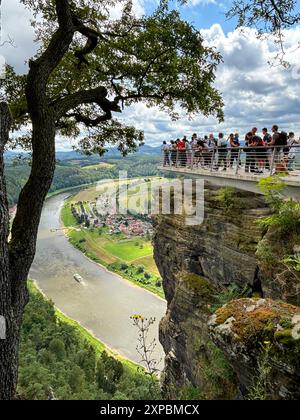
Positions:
(41, 68)
(92, 36)
(97, 96)
(89, 122)
(281, 16)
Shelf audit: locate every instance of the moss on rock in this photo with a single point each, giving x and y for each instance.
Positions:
(243, 328)
(257, 319)
(198, 284)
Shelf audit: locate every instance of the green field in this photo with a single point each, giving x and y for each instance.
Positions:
(131, 250)
(98, 166)
(67, 217)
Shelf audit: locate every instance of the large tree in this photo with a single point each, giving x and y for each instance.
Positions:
(88, 68)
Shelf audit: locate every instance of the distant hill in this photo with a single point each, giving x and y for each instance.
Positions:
(73, 155)
(111, 153)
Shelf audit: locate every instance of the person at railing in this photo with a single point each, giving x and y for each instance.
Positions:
(250, 152)
(292, 151)
(166, 153)
(222, 152)
(198, 156)
(194, 140)
(291, 139)
(261, 155)
(254, 131)
(194, 145)
(234, 145)
(188, 149)
(181, 147)
(279, 140)
(267, 139)
(237, 138)
(212, 142)
(173, 154)
(207, 153)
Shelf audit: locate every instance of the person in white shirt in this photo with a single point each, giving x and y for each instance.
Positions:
(166, 152)
(222, 152)
(292, 151)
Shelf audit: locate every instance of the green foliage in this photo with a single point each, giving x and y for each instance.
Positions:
(259, 389)
(189, 393)
(294, 262)
(58, 359)
(159, 283)
(228, 294)
(218, 372)
(286, 212)
(140, 269)
(265, 252)
(227, 197)
(148, 281)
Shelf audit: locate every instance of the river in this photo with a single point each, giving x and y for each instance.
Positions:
(105, 303)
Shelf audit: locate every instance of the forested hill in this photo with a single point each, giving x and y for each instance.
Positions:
(81, 170)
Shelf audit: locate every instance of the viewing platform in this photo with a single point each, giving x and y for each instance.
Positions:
(240, 168)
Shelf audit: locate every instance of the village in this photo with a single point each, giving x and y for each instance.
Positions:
(97, 214)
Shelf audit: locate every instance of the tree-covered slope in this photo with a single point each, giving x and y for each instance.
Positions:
(59, 360)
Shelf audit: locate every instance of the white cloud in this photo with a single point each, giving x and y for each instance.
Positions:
(201, 2)
(138, 7)
(15, 23)
(255, 93)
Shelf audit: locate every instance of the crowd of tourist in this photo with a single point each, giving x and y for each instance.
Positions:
(268, 151)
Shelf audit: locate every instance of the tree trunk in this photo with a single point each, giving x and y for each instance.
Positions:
(17, 256)
(8, 338)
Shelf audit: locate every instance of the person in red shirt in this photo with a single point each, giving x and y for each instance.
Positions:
(181, 146)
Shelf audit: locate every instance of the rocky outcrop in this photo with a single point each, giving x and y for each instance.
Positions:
(203, 267)
(261, 339)
(192, 360)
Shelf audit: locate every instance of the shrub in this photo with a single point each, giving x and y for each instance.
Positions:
(140, 270)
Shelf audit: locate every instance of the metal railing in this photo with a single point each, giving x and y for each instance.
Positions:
(258, 160)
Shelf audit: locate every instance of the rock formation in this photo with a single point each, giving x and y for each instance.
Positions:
(205, 266)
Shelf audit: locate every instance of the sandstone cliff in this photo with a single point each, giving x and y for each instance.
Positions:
(204, 267)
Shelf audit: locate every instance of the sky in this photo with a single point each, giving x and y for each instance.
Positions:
(255, 93)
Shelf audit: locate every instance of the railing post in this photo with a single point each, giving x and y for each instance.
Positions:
(273, 161)
(177, 158)
(213, 160)
(238, 162)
